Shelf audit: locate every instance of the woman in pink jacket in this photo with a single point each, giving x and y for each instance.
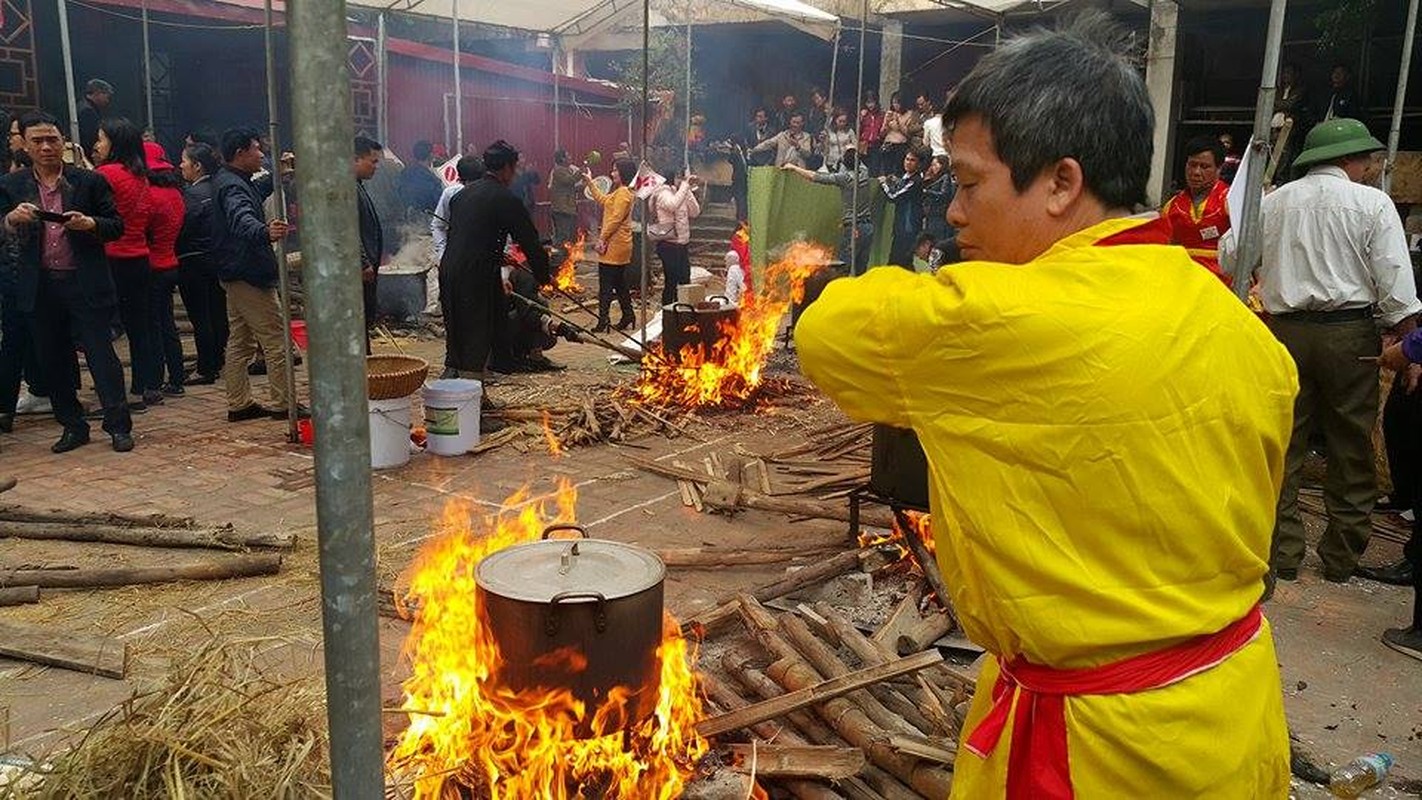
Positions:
(674, 205)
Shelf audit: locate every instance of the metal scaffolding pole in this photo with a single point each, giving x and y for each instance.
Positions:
(147, 71)
(279, 200)
(686, 140)
(1251, 244)
(557, 102)
(458, 91)
(382, 103)
(858, 157)
(344, 510)
(72, 91)
(834, 70)
(646, 108)
(1395, 132)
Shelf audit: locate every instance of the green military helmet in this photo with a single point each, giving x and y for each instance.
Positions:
(1334, 139)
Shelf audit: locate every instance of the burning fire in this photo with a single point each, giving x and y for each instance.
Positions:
(919, 525)
(555, 447)
(465, 729)
(566, 277)
(732, 371)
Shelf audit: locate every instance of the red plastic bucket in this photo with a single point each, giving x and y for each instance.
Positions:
(298, 333)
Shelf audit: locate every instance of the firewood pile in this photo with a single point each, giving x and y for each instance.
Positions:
(221, 552)
(831, 706)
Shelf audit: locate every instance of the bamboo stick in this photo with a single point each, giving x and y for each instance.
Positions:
(927, 563)
(825, 762)
(725, 610)
(829, 665)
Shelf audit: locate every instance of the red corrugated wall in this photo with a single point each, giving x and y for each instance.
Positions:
(498, 107)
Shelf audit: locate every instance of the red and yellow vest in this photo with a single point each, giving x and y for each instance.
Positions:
(1198, 228)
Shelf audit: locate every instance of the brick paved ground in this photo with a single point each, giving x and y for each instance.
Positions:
(1346, 693)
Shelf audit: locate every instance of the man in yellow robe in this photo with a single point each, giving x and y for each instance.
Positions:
(1105, 427)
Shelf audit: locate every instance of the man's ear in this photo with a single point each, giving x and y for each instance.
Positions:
(1067, 182)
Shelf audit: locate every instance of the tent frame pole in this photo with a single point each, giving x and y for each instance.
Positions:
(279, 200)
(1394, 133)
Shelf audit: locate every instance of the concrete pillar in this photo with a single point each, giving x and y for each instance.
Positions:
(891, 61)
(1161, 81)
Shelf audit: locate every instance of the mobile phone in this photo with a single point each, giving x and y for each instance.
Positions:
(51, 216)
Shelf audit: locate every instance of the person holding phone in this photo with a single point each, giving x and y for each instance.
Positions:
(61, 217)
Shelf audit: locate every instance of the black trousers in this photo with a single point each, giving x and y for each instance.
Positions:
(18, 358)
(165, 353)
(62, 316)
(133, 278)
(206, 304)
(1402, 416)
(676, 268)
(612, 279)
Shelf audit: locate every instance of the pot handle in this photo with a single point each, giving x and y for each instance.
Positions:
(683, 307)
(565, 526)
(550, 624)
(719, 297)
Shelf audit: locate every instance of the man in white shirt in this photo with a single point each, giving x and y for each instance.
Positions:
(1336, 280)
(469, 169)
(932, 125)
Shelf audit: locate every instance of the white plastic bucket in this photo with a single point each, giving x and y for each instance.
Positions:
(389, 433)
(452, 415)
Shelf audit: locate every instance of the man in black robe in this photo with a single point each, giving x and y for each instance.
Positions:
(482, 218)
(368, 154)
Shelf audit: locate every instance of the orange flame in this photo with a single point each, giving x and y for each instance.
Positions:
(555, 448)
(920, 525)
(521, 744)
(566, 278)
(730, 373)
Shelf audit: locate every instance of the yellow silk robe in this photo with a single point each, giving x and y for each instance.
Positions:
(1105, 429)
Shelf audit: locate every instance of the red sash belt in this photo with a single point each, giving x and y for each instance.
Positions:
(1037, 767)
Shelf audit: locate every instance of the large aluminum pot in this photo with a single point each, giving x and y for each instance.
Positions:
(582, 614)
(700, 325)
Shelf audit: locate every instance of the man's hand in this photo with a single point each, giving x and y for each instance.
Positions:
(1393, 358)
(77, 221)
(277, 230)
(1413, 377)
(367, 275)
(288, 164)
(508, 286)
(23, 214)
(601, 246)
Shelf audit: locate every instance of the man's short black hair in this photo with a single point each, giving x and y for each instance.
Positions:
(1068, 93)
(422, 150)
(499, 155)
(364, 145)
(626, 170)
(800, 115)
(205, 136)
(1202, 144)
(560, 156)
(235, 140)
(204, 156)
(469, 169)
(32, 119)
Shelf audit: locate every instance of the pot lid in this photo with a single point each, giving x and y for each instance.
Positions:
(535, 571)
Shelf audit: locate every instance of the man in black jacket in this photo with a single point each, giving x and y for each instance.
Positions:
(203, 297)
(64, 280)
(482, 217)
(247, 268)
(368, 153)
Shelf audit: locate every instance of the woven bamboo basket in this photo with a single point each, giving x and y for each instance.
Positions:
(391, 376)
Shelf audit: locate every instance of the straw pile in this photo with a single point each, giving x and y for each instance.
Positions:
(218, 725)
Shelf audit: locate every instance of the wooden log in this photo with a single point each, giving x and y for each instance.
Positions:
(829, 665)
(920, 634)
(702, 557)
(19, 595)
(800, 761)
(904, 614)
(7, 483)
(729, 699)
(725, 610)
(81, 652)
(934, 707)
(942, 752)
(846, 718)
(241, 566)
(927, 563)
(731, 497)
(21, 514)
(496, 440)
(223, 538)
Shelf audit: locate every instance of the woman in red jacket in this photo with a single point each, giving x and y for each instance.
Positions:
(166, 354)
(119, 152)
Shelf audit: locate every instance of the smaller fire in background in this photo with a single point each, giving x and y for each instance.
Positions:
(566, 278)
(919, 525)
(729, 373)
